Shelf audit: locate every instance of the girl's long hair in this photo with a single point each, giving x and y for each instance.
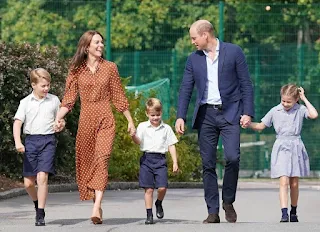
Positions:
(81, 53)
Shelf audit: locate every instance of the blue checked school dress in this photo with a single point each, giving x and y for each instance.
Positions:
(289, 156)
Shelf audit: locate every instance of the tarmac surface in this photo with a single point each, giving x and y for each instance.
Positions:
(257, 206)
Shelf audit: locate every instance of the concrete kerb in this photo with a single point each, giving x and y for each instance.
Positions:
(111, 186)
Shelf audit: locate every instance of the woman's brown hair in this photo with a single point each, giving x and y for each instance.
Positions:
(81, 53)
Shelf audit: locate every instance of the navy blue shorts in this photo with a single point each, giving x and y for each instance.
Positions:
(39, 154)
(153, 170)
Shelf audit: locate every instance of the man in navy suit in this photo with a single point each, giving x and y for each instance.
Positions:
(224, 103)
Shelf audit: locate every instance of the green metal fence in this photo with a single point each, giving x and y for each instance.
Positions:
(149, 41)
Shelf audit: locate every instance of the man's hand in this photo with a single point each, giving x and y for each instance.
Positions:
(179, 126)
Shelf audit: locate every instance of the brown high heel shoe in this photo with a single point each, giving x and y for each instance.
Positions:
(97, 220)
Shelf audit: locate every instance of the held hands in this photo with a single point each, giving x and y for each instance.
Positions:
(20, 148)
(179, 126)
(59, 125)
(245, 121)
(131, 129)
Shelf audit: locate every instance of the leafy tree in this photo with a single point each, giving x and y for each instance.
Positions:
(42, 27)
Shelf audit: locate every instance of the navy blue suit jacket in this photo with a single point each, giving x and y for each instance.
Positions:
(234, 81)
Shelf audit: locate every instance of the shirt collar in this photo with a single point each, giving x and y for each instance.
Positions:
(149, 125)
(84, 64)
(280, 107)
(217, 48)
(35, 98)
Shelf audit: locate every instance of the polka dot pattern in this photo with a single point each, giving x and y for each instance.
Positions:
(96, 129)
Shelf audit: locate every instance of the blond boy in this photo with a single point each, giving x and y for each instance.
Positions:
(37, 114)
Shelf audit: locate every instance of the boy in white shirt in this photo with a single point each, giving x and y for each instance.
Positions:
(155, 139)
(37, 113)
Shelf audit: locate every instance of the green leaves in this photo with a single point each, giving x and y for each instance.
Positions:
(16, 61)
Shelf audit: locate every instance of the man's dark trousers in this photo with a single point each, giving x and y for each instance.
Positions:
(211, 123)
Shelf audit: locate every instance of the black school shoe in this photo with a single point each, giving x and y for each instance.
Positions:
(159, 211)
(149, 220)
(40, 219)
(284, 218)
(294, 218)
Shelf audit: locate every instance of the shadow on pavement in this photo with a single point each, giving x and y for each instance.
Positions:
(67, 222)
(119, 221)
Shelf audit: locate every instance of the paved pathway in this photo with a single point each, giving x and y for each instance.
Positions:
(257, 206)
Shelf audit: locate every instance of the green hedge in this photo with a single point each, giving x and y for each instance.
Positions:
(16, 61)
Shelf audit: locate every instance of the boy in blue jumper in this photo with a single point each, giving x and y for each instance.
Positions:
(155, 139)
(37, 114)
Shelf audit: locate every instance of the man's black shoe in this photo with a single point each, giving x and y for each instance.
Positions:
(212, 218)
(159, 211)
(231, 215)
(149, 220)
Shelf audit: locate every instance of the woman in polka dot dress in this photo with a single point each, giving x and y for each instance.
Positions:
(98, 84)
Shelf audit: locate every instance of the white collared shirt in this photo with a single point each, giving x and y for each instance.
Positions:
(38, 115)
(155, 139)
(211, 94)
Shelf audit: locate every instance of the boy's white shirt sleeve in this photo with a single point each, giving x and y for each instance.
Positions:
(171, 137)
(57, 105)
(139, 134)
(20, 114)
(139, 131)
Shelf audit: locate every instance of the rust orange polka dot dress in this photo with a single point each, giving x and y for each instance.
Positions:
(96, 128)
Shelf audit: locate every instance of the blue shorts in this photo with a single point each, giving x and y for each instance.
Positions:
(39, 154)
(153, 170)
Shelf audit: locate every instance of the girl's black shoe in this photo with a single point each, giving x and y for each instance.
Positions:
(293, 218)
(284, 218)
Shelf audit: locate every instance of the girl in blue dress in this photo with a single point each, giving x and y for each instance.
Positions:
(289, 158)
